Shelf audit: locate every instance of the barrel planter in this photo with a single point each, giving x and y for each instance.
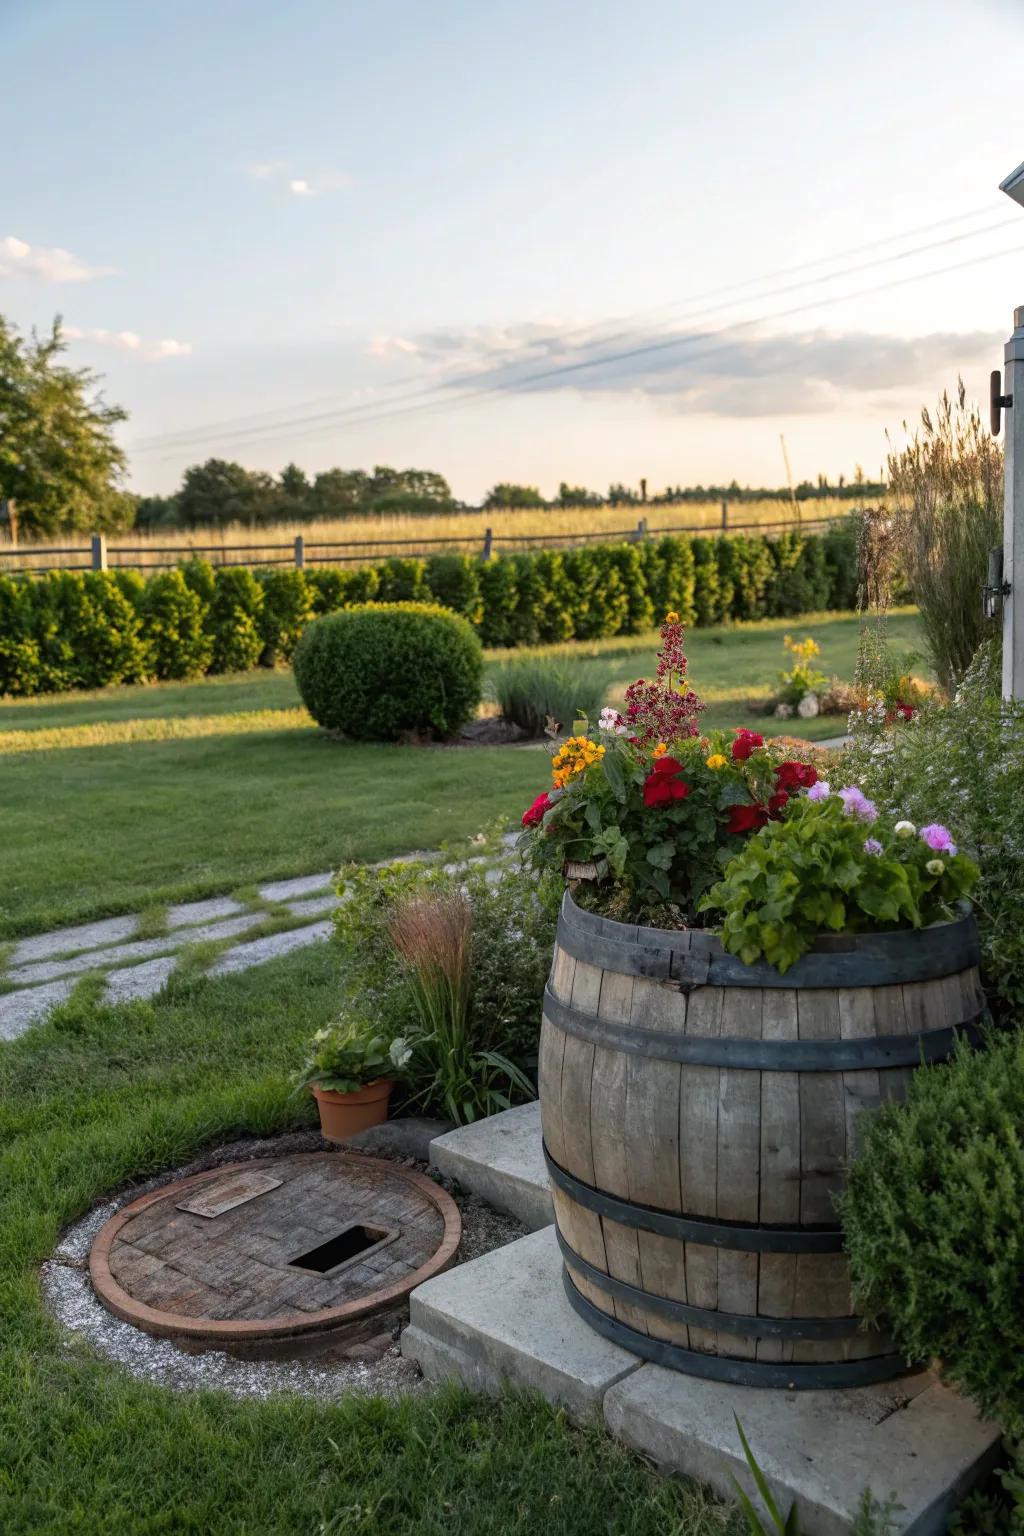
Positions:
(699, 1115)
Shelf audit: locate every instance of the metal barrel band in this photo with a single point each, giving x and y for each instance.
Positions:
(691, 1229)
(869, 1053)
(695, 957)
(796, 1328)
(744, 1373)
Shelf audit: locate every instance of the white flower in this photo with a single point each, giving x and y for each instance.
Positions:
(808, 708)
(611, 721)
(905, 829)
(400, 1052)
(935, 867)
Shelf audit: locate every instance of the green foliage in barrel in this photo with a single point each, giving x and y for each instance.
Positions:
(384, 671)
(932, 1222)
(833, 865)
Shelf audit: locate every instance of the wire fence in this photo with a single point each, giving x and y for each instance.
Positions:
(306, 550)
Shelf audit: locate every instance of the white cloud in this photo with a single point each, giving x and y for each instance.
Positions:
(282, 175)
(730, 375)
(129, 341)
(50, 262)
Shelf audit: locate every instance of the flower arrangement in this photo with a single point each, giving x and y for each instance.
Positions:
(834, 864)
(349, 1054)
(644, 810)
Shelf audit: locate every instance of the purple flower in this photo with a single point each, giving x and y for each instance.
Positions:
(872, 845)
(938, 837)
(819, 791)
(856, 803)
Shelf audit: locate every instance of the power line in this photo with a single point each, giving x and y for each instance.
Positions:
(255, 422)
(506, 377)
(472, 396)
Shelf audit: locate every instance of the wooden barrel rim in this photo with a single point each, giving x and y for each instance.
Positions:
(745, 1373)
(867, 1052)
(694, 957)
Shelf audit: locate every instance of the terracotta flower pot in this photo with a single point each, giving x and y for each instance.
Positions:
(344, 1114)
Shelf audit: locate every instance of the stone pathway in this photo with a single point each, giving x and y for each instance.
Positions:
(43, 970)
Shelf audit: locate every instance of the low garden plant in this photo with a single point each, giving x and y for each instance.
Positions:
(346, 1056)
(801, 685)
(384, 671)
(538, 691)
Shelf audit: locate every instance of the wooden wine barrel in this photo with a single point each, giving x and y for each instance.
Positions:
(699, 1115)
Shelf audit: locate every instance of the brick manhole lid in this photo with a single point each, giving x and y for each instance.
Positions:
(274, 1249)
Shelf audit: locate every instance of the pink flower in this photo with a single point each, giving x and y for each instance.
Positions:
(819, 791)
(856, 803)
(872, 845)
(938, 837)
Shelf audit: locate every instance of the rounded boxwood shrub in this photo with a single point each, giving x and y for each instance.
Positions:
(932, 1215)
(380, 671)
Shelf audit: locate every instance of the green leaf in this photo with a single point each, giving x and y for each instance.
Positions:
(660, 855)
(614, 775)
(760, 1479)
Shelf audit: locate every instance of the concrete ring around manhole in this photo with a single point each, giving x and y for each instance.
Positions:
(276, 1251)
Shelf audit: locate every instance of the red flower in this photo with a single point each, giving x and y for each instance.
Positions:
(662, 785)
(747, 818)
(744, 744)
(791, 776)
(536, 811)
(777, 804)
(906, 710)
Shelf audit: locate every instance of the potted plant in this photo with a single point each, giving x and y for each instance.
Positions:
(745, 961)
(351, 1071)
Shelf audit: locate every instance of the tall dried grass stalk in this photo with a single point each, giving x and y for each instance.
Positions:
(946, 490)
(433, 935)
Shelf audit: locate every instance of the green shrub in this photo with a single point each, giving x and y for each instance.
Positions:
(706, 587)
(20, 669)
(286, 609)
(530, 690)
(403, 579)
(500, 596)
(800, 582)
(454, 582)
(233, 619)
(381, 671)
(88, 633)
(840, 546)
(172, 615)
(332, 588)
(932, 1217)
(963, 764)
(668, 574)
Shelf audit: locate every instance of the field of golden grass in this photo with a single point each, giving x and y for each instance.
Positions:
(371, 538)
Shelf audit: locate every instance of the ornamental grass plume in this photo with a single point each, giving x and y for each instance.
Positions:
(432, 934)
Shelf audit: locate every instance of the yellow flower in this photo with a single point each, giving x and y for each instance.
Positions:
(671, 617)
(660, 749)
(716, 760)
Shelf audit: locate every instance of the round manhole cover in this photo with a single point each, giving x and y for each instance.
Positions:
(274, 1249)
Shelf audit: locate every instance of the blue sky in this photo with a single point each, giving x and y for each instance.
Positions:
(251, 214)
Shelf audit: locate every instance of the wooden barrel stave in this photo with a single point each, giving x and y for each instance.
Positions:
(734, 1143)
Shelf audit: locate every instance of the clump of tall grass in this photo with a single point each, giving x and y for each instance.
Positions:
(530, 691)
(449, 1070)
(946, 497)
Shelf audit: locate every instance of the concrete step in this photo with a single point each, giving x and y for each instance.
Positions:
(503, 1320)
(501, 1160)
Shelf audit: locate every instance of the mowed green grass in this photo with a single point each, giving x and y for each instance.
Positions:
(165, 793)
(98, 1096)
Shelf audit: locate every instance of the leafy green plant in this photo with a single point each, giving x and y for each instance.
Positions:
(803, 677)
(344, 1057)
(381, 671)
(832, 866)
(533, 690)
(172, 616)
(931, 1215)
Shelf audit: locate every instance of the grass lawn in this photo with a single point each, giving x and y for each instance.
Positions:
(133, 796)
(99, 1095)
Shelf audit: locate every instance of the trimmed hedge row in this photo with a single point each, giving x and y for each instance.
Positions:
(70, 629)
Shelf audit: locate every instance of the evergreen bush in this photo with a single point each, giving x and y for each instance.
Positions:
(172, 618)
(381, 671)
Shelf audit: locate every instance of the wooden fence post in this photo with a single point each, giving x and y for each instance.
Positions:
(641, 530)
(300, 552)
(488, 548)
(99, 552)
(725, 515)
